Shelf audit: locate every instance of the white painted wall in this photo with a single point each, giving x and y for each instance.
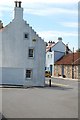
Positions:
(0, 57)
(15, 53)
(49, 59)
(0, 49)
(58, 50)
(0, 75)
(12, 76)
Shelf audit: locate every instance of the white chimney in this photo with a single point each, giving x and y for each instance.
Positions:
(18, 11)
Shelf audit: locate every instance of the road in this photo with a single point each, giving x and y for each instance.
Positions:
(63, 82)
(58, 101)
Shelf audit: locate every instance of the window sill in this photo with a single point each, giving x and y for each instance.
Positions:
(27, 78)
(30, 57)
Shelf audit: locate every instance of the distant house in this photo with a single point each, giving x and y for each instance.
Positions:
(22, 53)
(68, 66)
(54, 51)
(1, 24)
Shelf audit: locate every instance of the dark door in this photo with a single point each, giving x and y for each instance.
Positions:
(51, 69)
(62, 70)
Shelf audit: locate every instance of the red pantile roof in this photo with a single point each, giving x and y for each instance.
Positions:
(69, 59)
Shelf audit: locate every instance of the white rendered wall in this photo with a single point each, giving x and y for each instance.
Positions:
(0, 49)
(0, 57)
(12, 76)
(0, 75)
(15, 55)
(58, 50)
(49, 59)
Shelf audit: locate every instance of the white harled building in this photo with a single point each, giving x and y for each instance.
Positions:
(22, 53)
(54, 51)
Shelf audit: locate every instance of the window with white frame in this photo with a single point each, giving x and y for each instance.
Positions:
(28, 73)
(31, 53)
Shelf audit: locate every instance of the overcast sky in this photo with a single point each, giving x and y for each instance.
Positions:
(49, 18)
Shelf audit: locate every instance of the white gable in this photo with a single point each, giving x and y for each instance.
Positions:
(17, 39)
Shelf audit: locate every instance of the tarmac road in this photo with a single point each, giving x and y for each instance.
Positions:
(36, 102)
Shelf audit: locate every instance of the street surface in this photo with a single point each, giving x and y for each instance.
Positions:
(58, 101)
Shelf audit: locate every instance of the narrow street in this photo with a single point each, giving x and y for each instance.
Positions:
(63, 82)
(58, 101)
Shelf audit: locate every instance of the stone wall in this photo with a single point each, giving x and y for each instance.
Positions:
(67, 71)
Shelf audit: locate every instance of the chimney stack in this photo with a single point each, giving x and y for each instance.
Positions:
(59, 38)
(1, 24)
(51, 43)
(18, 11)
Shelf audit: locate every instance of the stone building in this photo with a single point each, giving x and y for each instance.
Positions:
(68, 66)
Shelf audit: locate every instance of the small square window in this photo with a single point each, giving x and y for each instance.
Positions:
(31, 53)
(26, 35)
(34, 40)
(28, 73)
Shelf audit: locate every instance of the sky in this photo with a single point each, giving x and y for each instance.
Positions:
(49, 18)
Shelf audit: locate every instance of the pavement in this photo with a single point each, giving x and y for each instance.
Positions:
(58, 101)
(65, 78)
(56, 84)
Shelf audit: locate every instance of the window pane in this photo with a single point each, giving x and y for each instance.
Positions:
(28, 73)
(26, 35)
(30, 52)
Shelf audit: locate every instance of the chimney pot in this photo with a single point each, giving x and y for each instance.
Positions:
(59, 38)
(18, 10)
(19, 3)
(1, 24)
(15, 3)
